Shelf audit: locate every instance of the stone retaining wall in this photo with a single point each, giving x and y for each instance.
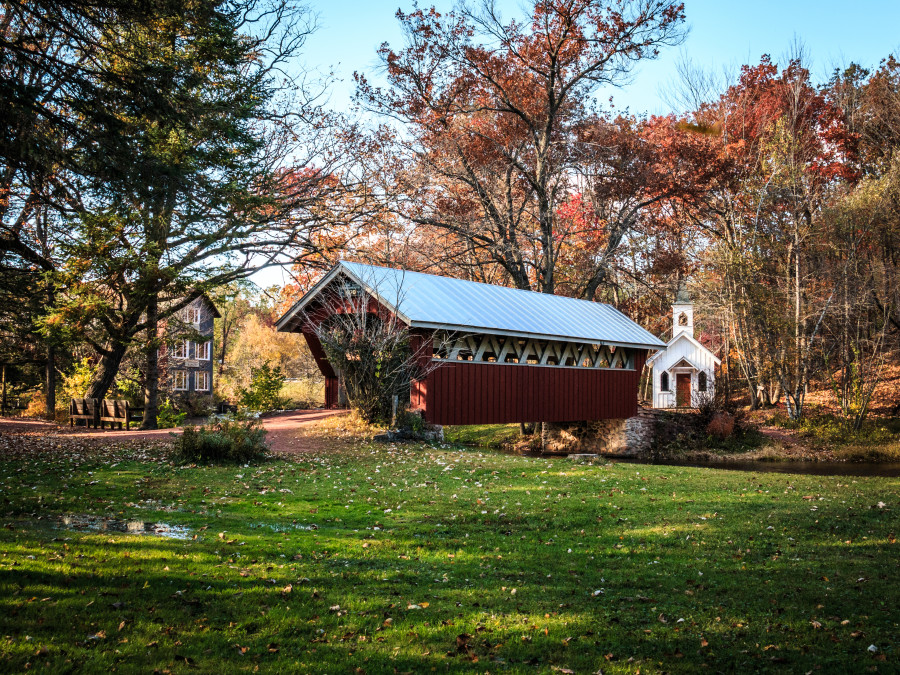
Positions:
(631, 437)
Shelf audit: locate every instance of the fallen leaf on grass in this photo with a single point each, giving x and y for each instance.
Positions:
(462, 643)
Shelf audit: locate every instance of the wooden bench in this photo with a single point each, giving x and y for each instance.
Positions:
(85, 409)
(114, 412)
(119, 413)
(134, 414)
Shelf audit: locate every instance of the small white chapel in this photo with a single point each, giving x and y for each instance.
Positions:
(684, 372)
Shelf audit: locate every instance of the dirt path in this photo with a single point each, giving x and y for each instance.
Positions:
(284, 430)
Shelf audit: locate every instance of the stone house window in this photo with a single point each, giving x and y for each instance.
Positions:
(203, 351)
(201, 381)
(192, 315)
(181, 349)
(180, 380)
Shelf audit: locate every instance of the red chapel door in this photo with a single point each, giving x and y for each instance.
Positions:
(683, 390)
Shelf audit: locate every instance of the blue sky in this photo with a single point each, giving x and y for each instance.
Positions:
(726, 34)
(723, 33)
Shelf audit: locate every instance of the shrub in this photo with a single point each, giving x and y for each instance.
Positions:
(265, 387)
(223, 439)
(37, 407)
(168, 417)
(374, 355)
(711, 404)
(75, 383)
(129, 385)
(721, 426)
(196, 405)
(411, 421)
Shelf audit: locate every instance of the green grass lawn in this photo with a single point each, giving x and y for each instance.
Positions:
(410, 559)
(483, 435)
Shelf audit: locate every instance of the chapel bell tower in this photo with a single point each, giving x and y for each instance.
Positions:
(682, 313)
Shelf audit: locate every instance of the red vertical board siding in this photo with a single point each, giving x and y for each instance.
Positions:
(557, 386)
(516, 400)
(509, 408)
(430, 395)
(481, 393)
(504, 392)
(562, 383)
(465, 398)
(612, 393)
(483, 377)
(611, 396)
(331, 398)
(497, 408)
(446, 389)
(531, 376)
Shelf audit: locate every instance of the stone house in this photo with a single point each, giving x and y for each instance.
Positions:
(186, 356)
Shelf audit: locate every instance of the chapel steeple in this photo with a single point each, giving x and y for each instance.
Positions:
(682, 313)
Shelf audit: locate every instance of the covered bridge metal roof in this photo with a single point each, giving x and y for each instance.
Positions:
(431, 301)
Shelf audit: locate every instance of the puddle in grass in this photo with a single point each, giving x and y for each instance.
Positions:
(99, 524)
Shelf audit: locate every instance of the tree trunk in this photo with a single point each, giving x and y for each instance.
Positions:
(151, 381)
(774, 393)
(50, 383)
(227, 322)
(762, 394)
(3, 394)
(50, 367)
(107, 371)
(754, 399)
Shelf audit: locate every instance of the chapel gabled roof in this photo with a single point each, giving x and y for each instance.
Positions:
(692, 340)
(436, 302)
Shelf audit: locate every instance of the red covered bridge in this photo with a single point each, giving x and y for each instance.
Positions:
(497, 354)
